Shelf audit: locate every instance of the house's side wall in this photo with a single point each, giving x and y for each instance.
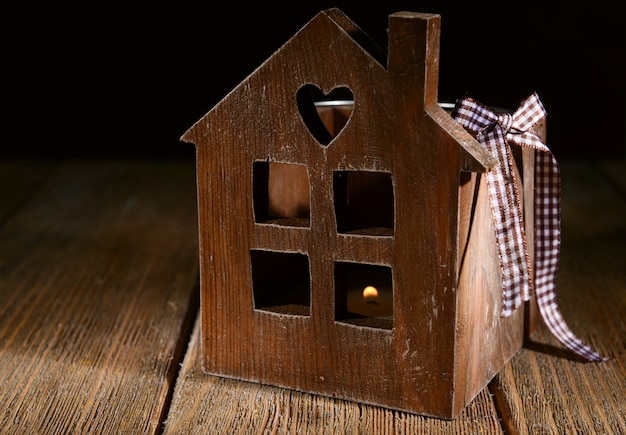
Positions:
(485, 340)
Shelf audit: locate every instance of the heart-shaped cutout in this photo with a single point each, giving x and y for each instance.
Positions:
(325, 115)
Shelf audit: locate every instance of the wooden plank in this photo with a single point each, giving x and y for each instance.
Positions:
(205, 403)
(542, 390)
(97, 282)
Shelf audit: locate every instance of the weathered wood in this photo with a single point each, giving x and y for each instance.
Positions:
(383, 199)
(542, 390)
(210, 404)
(95, 271)
(98, 273)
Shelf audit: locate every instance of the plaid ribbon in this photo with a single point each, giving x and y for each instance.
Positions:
(495, 132)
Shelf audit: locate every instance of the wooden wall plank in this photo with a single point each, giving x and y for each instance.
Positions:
(97, 285)
(209, 404)
(542, 390)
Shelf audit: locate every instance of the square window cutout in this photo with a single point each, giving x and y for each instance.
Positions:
(281, 193)
(364, 295)
(281, 282)
(364, 202)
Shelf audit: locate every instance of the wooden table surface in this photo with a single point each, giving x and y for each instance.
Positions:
(99, 304)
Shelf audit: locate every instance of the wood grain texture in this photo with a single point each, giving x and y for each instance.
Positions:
(543, 389)
(98, 263)
(445, 339)
(97, 279)
(205, 404)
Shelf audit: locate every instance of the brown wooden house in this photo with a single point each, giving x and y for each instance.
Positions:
(331, 169)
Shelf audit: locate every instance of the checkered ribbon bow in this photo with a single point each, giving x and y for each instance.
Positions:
(495, 132)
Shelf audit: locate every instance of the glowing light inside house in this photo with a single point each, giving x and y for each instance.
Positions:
(370, 293)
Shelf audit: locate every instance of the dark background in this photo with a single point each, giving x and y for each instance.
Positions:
(126, 79)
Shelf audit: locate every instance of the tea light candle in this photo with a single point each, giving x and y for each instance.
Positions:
(371, 301)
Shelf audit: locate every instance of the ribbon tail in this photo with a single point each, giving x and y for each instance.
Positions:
(547, 244)
(509, 230)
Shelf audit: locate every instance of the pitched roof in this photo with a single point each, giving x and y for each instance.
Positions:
(413, 55)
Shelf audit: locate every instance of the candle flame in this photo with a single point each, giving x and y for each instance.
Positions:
(370, 292)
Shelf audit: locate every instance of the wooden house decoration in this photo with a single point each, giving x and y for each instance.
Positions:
(346, 245)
